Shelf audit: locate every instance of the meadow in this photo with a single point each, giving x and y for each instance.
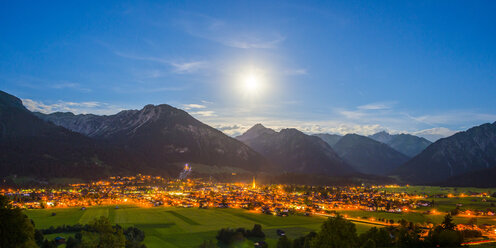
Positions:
(189, 227)
(180, 227)
(435, 190)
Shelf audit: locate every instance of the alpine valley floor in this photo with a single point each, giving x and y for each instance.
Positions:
(180, 227)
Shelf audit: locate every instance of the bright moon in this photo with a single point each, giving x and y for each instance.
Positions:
(251, 83)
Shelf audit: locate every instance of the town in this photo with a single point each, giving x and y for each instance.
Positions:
(280, 200)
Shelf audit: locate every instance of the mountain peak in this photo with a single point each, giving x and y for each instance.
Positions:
(9, 100)
(258, 126)
(295, 151)
(367, 155)
(291, 131)
(254, 132)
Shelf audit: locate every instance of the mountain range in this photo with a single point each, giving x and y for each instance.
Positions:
(295, 151)
(159, 139)
(164, 135)
(458, 156)
(155, 139)
(32, 147)
(407, 144)
(367, 155)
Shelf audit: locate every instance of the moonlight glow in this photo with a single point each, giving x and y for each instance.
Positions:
(252, 83)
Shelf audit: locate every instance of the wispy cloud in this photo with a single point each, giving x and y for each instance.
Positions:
(434, 134)
(74, 107)
(453, 117)
(188, 67)
(364, 119)
(70, 85)
(247, 42)
(227, 34)
(296, 72)
(40, 83)
(205, 113)
(376, 106)
(149, 89)
(176, 66)
(193, 106)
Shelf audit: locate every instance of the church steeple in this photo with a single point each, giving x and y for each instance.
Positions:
(254, 185)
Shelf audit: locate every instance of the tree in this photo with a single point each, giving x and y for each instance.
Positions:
(448, 223)
(283, 242)
(381, 237)
(369, 244)
(72, 243)
(49, 244)
(305, 241)
(455, 211)
(103, 235)
(38, 237)
(16, 230)
(256, 232)
(228, 236)
(440, 237)
(134, 237)
(336, 233)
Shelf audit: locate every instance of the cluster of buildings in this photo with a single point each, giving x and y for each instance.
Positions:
(148, 191)
(282, 200)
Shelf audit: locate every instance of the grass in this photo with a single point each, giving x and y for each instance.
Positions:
(180, 227)
(435, 190)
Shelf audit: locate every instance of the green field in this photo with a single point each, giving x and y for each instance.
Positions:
(180, 227)
(434, 190)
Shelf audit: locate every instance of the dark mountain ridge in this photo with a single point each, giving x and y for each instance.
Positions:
(464, 152)
(330, 139)
(367, 155)
(164, 135)
(32, 147)
(409, 145)
(295, 151)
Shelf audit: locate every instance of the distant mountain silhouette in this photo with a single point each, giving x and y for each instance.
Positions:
(164, 135)
(330, 139)
(407, 144)
(367, 155)
(463, 153)
(294, 151)
(30, 146)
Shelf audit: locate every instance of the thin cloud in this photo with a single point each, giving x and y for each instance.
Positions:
(227, 34)
(69, 85)
(434, 134)
(454, 117)
(177, 67)
(194, 106)
(376, 106)
(188, 67)
(74, 107)
(253, 42)
(206, 113)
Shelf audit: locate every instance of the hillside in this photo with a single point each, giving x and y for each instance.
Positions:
(367, 155)
(294, 151)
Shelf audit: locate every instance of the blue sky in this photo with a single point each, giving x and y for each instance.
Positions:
(422, 67)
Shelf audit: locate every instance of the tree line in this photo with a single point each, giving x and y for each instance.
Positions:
(337, 232)
(18, 231)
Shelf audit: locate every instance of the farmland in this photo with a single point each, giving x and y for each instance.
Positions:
(180, 227)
